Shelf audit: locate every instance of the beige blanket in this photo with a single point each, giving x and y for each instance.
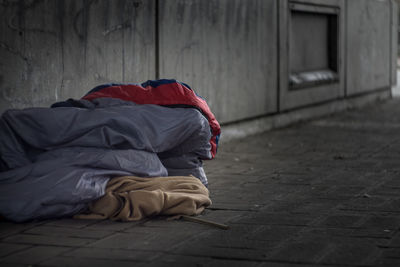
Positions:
(131, 198)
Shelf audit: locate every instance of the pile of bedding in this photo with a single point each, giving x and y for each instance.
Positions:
(55, 161)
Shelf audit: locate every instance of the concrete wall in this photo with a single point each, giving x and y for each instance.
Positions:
(226, 50)
(232, 52)
(368, 45)
(53, 50)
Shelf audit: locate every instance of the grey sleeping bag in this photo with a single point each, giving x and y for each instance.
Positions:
(54, 161)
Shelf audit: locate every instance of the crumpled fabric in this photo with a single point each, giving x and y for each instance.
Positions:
(132, 198)
(163, 92)
(54, 161)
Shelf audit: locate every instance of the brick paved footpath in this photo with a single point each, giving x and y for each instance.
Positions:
(321, 193)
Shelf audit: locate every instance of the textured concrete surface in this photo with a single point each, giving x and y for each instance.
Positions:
(232, 52)
(396, 88)
(322, 193)
(226, 50)
(54, 50)
(367, 39)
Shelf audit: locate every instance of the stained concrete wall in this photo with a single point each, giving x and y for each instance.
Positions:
(229, 51)
(53, 50)
(226, 50)
(368, 46)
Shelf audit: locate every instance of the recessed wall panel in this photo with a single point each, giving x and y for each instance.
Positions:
(311, 52)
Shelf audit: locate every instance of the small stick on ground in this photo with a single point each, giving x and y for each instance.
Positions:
(203, 221)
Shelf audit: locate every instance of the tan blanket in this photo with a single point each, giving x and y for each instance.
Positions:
(131, 198)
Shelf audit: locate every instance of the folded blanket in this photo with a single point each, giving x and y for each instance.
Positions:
(131, 198)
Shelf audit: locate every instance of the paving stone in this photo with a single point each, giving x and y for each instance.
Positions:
(111, 254)
(35, 255)
(382, 222)
(349, 177)
(47, 240)
(108, 225)
(322, 233)
(277, 218)
(300, 252)
(393, 181)
(292, 264)
(238, 205)
(165, 222)
(8, 228)
(276, 232)
(393, 253)
(245, 195)
(237, 242)
(346, 192)
(296, 178)
(85, 262)
(71, 223)
(227, 182)
(250, 199)
(237, 237)
(236, 169)
(363, 254)
(316, 192)
(13, 264)
(392, 205)
(372, 203)
(276, 190)
(340, 236)
(67, 232)
(388, 262)
(6, 249)
(179, 260)
(158, 240)
(341, 221)
(194, 249)
(181, 227)
(388, 191)
(231, 263)
(320, 206)
(224, 216)
(303, 202)
(395, 240)
(390, 163)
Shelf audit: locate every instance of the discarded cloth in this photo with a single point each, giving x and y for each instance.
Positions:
(132, 198)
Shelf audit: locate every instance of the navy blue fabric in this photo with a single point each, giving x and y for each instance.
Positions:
(71, 153)
(70, 103)
(156, 83)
